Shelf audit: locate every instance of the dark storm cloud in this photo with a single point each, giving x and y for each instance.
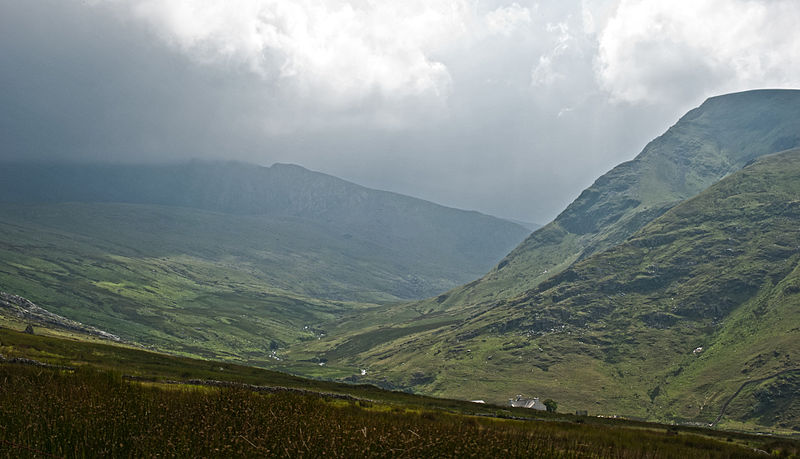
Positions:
(508, 108)
(86, 83)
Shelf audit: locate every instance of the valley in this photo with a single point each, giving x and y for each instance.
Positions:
(603, 308)
(226, 275)
(426, 229)
(667, 291)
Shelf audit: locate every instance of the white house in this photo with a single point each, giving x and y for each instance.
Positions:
(522, 402)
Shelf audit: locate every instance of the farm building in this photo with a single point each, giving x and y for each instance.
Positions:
(522, 402)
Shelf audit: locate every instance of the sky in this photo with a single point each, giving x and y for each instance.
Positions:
(509, 108)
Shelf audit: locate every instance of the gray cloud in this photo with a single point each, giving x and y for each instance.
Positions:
(510, 108)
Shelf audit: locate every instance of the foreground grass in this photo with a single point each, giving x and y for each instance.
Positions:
(96, 413)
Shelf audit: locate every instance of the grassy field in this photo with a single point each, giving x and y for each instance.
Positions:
(94, 410)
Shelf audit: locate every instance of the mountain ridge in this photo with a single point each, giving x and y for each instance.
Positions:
(706, 144)
(667, 325)
(428, 240)
(475, 333)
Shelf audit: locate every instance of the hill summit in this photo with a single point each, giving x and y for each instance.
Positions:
(708, 143)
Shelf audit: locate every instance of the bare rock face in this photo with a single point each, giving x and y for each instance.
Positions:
(25, 309)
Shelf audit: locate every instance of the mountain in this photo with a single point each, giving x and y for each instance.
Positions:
(670, 324)
(708, 143)
(423, 248)
(576, 314)
(226, 259)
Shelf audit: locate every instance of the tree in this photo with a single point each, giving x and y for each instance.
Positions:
(551, 405)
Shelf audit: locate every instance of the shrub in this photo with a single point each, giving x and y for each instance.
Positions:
(551, 405)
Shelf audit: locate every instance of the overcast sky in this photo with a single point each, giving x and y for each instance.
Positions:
(510, 108)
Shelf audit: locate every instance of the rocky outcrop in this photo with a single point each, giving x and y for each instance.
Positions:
(26, 310)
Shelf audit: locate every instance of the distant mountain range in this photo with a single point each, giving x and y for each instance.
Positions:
(418, 247)
(658, 293)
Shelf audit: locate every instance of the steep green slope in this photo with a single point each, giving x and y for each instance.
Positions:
(717, 138)
(367, 244)
(703, 300)
(705, 145)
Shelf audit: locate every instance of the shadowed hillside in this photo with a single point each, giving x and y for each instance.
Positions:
(424, 248)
